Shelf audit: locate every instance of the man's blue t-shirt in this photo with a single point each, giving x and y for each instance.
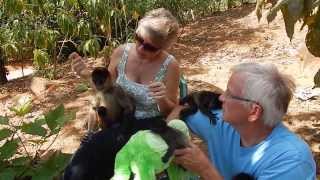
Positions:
(281, 156)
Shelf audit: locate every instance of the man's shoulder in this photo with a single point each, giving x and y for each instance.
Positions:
(288, 144)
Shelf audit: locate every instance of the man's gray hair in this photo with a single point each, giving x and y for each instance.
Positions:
(270, 88)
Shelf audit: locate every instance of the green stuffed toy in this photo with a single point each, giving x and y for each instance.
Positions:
(142, 156)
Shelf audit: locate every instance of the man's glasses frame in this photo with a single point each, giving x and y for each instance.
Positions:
(146, 46)
(229, 95)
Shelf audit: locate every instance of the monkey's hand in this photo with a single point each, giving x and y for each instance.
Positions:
(78, 65)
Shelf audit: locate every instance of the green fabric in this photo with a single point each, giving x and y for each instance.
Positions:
(183, 87)
(142, 156)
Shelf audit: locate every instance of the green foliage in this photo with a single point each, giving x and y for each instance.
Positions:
(316, 79)
(8, 149)
(23, 106)
(4, 120)
(4, 133)
(82, 87)
(16, 164)
(307, 11)
(7, 174)
(36, 28)
(91, 47)
(40, 58)
(52, 167)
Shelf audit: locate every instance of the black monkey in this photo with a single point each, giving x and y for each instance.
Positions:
(173, 138)
(95, 157)
(243, 176)
(205, 101)
(94, 160)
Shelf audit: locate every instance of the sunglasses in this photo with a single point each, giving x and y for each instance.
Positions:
(146, 46)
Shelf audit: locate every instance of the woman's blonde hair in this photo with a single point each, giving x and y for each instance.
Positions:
(160, 25)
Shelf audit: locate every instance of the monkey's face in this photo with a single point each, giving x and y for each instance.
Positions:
(101, 78)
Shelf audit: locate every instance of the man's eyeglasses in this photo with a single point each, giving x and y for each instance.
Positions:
(227, 94)
(146, 46)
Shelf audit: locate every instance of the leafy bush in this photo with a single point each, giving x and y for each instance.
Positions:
(17, 162)
(307, 11)
(39, 29)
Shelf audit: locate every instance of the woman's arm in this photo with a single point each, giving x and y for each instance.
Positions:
(166, 93)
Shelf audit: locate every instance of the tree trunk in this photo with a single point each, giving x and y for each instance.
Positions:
(3, 71)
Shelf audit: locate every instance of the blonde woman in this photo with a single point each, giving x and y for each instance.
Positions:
(144, 68)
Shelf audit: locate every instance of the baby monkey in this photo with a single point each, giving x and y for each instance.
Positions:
(204, 101)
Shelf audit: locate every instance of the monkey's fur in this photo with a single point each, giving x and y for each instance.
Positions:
(204, 101)
(243, 176)
(109, 97)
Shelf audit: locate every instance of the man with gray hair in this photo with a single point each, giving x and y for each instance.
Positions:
(249, 136)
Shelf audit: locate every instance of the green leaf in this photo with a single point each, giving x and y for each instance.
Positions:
(316, 79)
(4, 133)
(33, 129)
(273, 11)
(288, 21)
(53, 117)
(8, 149)
(40, 58)
(258, 9)
(20, 161)
(52, 167)
(7, 174)
(82, 87)
(4, 120)
(23, 106)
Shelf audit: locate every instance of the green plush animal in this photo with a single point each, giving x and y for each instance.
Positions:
(142, 156)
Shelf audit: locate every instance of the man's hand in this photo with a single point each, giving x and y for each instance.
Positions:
(193, 159)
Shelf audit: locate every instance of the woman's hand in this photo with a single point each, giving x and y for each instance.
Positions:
(78, 65)
(157, 90)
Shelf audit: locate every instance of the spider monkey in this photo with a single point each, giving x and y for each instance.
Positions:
(205, 101)
(109, 103)
(173, 137)
(112, 103)
(243, 176)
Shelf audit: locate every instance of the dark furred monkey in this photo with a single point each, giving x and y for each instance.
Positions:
(243, 176)
(109, 102)
(112, 103)
(205, 101)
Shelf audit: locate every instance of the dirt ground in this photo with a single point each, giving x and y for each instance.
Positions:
(206, 49)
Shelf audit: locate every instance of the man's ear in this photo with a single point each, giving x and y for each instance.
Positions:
(255, 113)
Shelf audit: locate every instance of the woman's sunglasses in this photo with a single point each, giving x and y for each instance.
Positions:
(146, 46)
